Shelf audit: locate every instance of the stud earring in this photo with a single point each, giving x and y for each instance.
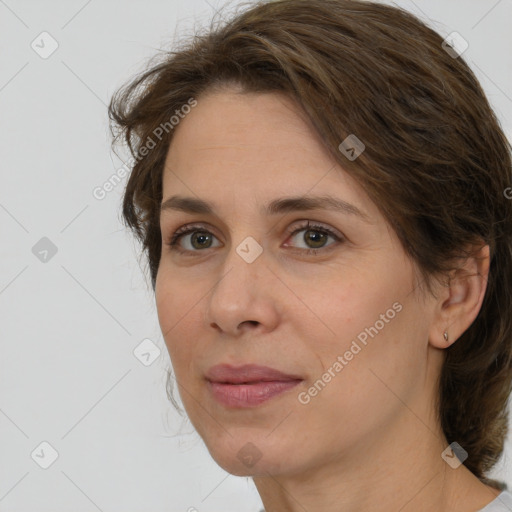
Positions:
(445, 336)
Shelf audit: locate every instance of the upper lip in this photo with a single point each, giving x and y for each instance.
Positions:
(247, 373)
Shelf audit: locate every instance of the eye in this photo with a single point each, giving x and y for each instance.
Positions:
(315, 237)
(200, 238)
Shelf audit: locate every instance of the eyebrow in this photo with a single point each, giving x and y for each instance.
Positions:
(275, 207)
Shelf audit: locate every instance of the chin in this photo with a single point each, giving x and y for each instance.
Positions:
(251, 455)
(236, 467)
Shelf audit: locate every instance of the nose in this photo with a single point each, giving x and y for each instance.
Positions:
(243, 297)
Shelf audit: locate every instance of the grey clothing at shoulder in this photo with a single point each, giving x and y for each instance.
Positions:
(502, 503)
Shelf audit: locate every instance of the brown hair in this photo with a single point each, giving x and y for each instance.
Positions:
(436, 161)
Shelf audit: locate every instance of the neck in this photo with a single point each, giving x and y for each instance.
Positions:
(398, 469)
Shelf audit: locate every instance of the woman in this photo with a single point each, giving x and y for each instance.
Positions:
(318, 188)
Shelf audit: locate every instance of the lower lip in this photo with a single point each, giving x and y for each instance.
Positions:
(249, 395)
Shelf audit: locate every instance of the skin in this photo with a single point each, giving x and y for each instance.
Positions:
(370, 440)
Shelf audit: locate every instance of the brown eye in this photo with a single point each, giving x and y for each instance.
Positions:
(315, 237)
(199, 239)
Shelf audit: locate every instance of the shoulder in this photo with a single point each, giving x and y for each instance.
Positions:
(502, 503)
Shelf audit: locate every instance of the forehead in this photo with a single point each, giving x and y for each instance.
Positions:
(252, 145)
(235, 121)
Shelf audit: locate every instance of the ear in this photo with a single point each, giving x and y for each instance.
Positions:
(460, 300)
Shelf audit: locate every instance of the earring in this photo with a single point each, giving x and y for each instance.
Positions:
(445, 336)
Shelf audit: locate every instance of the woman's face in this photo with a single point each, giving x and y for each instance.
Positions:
(347, 320)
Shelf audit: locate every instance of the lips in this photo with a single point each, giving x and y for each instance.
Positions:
(249, 385)
(249, 373)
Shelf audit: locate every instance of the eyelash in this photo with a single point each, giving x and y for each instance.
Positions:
(174, 239)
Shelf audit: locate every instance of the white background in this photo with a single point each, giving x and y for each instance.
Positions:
(68, 375)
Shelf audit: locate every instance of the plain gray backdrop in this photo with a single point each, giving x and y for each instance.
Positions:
(82, 375)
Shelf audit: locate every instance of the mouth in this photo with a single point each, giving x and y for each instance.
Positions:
(248, 385)
(248, 395)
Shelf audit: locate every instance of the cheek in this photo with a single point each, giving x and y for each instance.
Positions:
(374, 323)
(177, 309)
(383, 360)
(175, 298)
(358, 306)
(362, 386)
